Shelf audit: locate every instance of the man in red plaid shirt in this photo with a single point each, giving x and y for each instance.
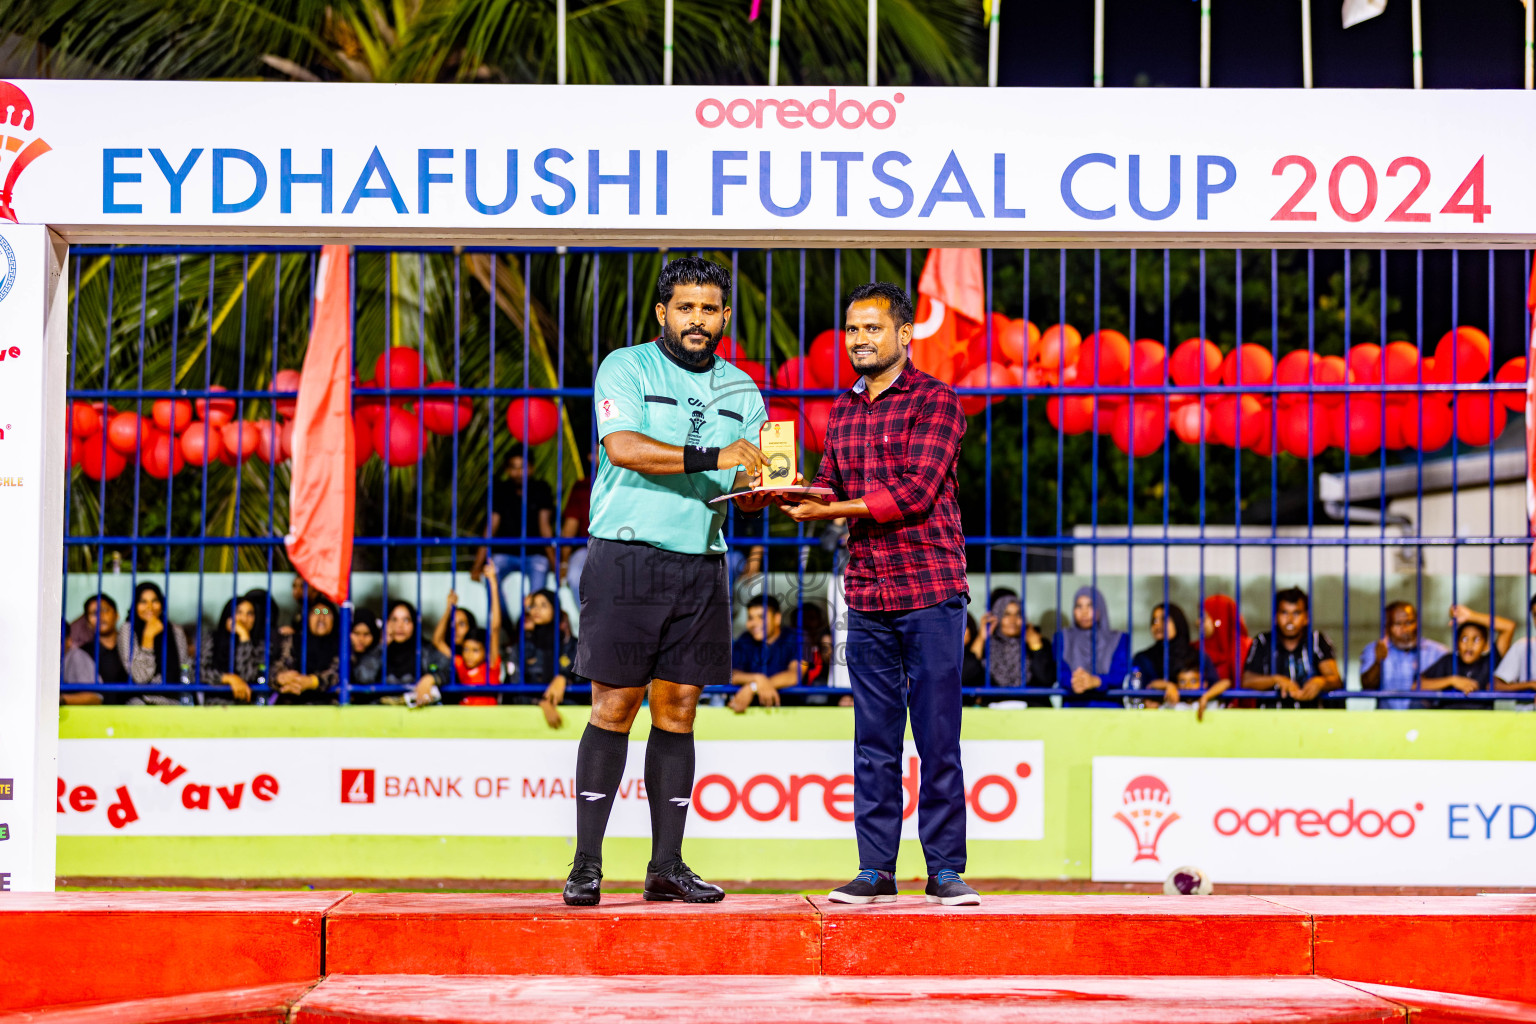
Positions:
(890, 454)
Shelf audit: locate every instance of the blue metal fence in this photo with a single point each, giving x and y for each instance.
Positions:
(499, 326)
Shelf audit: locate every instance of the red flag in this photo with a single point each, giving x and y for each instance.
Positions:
(951, 313)
(323, 494)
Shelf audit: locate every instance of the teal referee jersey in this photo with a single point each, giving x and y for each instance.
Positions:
(646, 390)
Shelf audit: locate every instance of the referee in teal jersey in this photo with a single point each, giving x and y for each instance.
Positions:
(678, 427)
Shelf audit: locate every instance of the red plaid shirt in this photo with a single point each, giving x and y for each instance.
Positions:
(899, 453)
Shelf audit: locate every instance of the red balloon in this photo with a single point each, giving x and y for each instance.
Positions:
(1016, 342)
(402, 365)
(729, 350)
(84, 419)
(1364, 429)
(163, 457)
(1430, 429)
(1464, 353)
(286, 380)
(126, 431)
(1191, 422)
(196, 448)
(1253, 362)
(439, 413)
(240, 439)
(285, 434)
(543, 418)
(793, 375)
(1332, 370)
(818, 411)
(1190, 359)
(98, 461)
(171, 416)
(1264, 444)
(1225, 425)
(1059, 348)
(1148, 361)
(1365, 363)
(754, 369)
(1393, 440)
(807, 432)
(398, 436)
(217, 411)
(1301, 435)
(269, 441)
(1140, 428)
(362, 438)
(1079, 413)
(1400, 365)
(1294, 368)
(1479, 419)
(1513, 372)
(978, 378)
(1433, 373)
(827, 361)
(1111, 351)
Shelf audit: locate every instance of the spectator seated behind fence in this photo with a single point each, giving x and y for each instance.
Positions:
(1224, 636)
(1090, 654)
(1011, 652)
(91, 651)
(1469, 668)
(310, 664)
(473, 664)
(507, 509)
(575, 518)
(1291, 658)
(1397, 661)
(548, 650)
(367, 662)
(1517, 668)
(1173, 665)
(154, 651)
(410, 666)
(235, 650)
(766, 658)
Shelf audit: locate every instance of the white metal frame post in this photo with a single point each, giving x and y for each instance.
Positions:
(33, 332)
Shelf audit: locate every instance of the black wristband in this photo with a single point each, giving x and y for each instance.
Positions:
(700, 460)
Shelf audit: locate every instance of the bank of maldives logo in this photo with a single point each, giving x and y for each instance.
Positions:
(1147, 811)
(19, 144)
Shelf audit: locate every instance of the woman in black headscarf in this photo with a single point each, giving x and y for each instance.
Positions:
(311, 660)
(235, 650)
(367, 663)
(153, 649)
(403, 648)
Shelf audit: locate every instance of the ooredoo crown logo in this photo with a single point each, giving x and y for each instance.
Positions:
(19, 144)
(1147, 812)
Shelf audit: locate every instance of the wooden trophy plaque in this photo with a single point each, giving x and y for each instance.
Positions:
(777, 440)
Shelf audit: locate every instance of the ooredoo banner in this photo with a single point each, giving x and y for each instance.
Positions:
(124, 160)
(770, 789)
(1329, 822)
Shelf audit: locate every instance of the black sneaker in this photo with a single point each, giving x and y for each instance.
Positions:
(867, 887)
(583, 888)
(947, 888)
(676, 881)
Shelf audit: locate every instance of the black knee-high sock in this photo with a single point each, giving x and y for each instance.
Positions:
(599, 770)
(668, 788)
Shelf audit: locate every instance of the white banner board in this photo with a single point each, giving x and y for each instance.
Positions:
(32, 524)
(1325, 822)
(769, 789)
(111, 160)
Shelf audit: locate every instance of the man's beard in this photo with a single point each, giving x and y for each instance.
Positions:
(880, 365)
(673, 343)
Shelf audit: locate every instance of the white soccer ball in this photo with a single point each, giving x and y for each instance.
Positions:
(1187, 881)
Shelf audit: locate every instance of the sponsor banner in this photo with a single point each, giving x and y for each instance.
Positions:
(541, 161)
(1327, 822)
(769, 789)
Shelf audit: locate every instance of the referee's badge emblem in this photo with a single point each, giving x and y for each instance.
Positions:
(607, 409)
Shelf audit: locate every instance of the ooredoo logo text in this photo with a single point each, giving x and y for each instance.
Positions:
(827, 112)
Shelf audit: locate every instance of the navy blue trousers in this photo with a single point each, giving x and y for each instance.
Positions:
(897, 661)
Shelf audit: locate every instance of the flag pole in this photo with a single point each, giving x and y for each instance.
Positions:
(1306, 43)
(773, 46)
(666, 45)
(1418, 48)
(1530, 44)
(1205, 43)
(1098, 44)
(874, 13)
(560, 42)
(992, 45)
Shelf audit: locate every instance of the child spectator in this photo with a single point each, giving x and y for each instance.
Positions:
(1468, 669)
(473, 665)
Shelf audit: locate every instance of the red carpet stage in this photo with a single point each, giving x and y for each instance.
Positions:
(335, 957)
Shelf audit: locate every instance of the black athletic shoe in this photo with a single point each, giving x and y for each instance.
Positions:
(583, 888)
(947, 888)
(676, 881)
(867, 887)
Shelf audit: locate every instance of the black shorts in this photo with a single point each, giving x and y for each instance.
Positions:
(653, 614)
